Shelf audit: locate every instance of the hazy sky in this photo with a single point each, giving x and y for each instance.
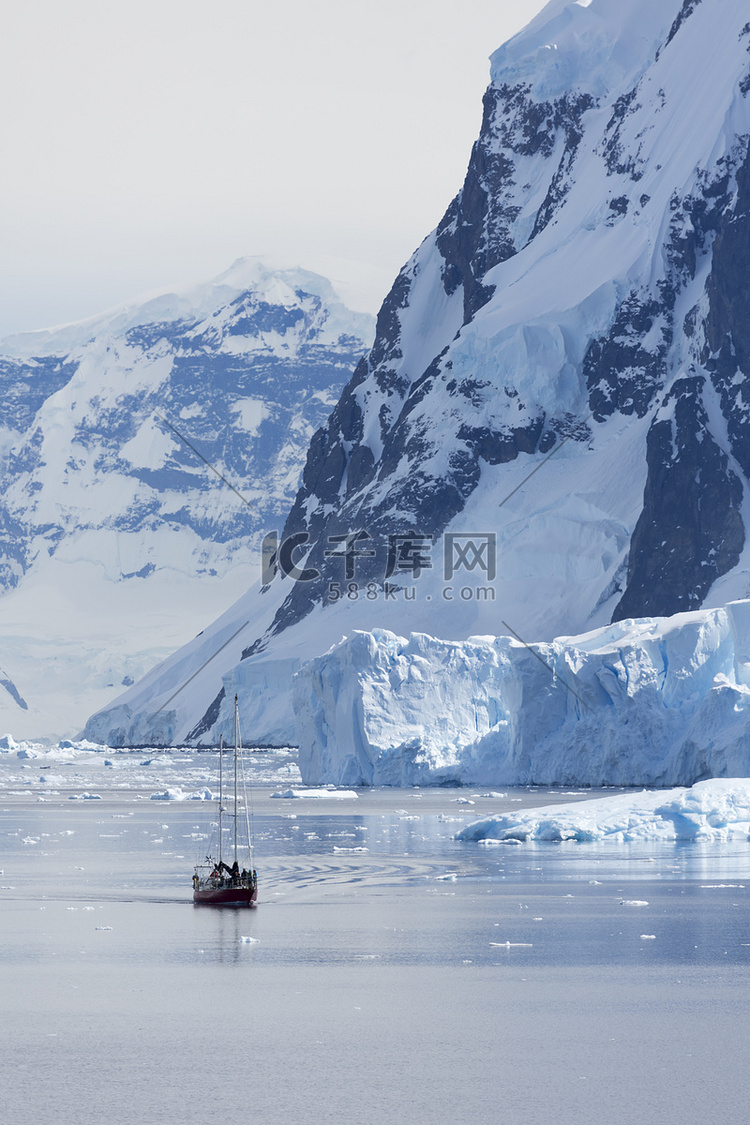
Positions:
(147, 144)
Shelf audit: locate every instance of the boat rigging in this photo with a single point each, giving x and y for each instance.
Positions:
(215, 882)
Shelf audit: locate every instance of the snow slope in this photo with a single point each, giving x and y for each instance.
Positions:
(560, 371)
(648, 702)
(117, 542)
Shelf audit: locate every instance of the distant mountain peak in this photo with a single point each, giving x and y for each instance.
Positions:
(118, 537)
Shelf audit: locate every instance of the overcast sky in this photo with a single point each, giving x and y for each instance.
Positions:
(147, 144)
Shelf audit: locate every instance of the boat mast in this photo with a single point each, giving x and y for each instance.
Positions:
(221, 793)
(236, 740)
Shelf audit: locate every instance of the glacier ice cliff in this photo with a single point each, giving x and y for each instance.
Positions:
(647, 702)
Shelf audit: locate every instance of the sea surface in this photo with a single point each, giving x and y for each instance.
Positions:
(389, 973)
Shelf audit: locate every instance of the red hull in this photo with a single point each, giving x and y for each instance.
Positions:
(225, 896)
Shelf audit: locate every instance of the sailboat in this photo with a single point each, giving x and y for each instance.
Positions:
(216, 882)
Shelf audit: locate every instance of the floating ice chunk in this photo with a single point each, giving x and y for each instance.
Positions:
(200, 795)
(512, 944)
(633, 902)
(248, 940)
(330, 794)
(648, 937)
(718, 809)
(169, 795)
(359, 849)
(102, 927)
(85, 797)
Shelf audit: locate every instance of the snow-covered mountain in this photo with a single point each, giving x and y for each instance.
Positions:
(551, 430)
(117, 542)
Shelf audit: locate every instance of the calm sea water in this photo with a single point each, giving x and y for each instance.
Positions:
(388, 974)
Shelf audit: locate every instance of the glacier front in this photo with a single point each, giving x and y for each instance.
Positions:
(655, 701)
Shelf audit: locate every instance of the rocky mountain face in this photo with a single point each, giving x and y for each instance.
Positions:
(115, 521)
(556, 401)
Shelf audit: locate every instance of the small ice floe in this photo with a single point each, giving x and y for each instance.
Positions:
(499, 796)
(330, 794)
(490, 843)
(512, 944)
(336, 848)
(102, 927)
(449, 877)
(84, 797)
(168, 795)
(648, 937)
(463, 800)
(633, 902)
(200, 795)
(248, 940)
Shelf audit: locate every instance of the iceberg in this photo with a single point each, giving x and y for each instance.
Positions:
(715, 810)
(654, 701)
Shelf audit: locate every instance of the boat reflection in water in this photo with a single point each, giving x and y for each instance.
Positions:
(215, 882)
